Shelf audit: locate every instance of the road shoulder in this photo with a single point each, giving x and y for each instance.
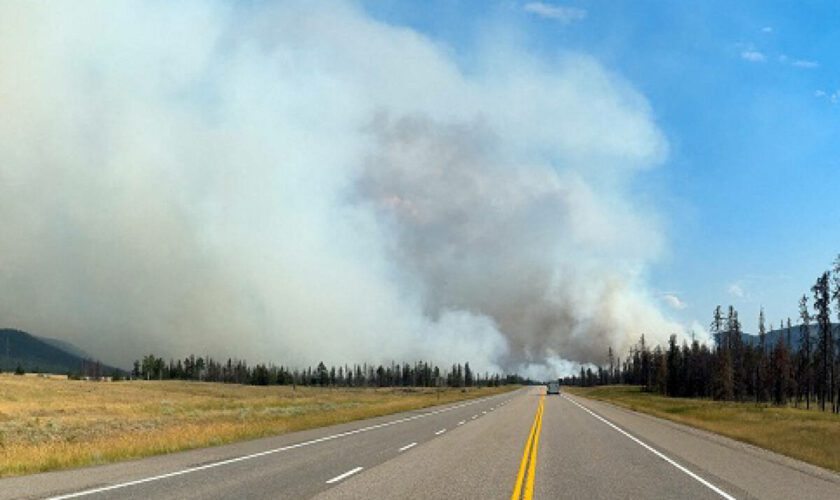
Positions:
(750, 470)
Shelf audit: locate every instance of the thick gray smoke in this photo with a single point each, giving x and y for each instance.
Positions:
(300, 182)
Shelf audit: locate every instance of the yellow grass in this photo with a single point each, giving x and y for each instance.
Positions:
(811, 436)
(51, 423)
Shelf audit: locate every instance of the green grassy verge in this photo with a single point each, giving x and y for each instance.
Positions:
(808, 435)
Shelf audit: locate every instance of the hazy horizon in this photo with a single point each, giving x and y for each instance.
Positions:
(517, 184)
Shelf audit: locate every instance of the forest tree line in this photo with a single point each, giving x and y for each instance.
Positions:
(734, 370)
(420, 374)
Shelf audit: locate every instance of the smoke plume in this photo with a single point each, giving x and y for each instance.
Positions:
(300, 182)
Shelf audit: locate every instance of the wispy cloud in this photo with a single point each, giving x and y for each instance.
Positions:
(561, 13)
(832, 97)
(802, 63)
(798, 63)
(767, 29)
(673, 301)
(736, 291)
(753, 56)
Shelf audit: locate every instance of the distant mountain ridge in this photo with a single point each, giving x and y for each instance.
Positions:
(773, 336)
(66, 347)
(18, 348)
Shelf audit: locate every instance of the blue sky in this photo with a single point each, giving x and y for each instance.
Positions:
(746, 94)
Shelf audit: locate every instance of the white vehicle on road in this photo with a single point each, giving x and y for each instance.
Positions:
(554, 387)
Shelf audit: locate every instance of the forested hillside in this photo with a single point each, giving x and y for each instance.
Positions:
(21, 351)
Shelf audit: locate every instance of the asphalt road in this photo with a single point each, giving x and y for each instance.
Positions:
(542, 446)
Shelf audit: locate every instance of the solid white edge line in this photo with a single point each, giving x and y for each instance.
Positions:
(438, 433)
(346, 474)
(653, 450)
(188, 470)
(408, 446)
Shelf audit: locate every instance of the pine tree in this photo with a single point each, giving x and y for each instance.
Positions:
(793, 388)
(805, 380)
(761, 361)
(780, 373)
(739, 370)
(716, 326)
(787, 333)
(836, 296)
(724, 379)
(673, 368)
(825, 357)
(321, 375)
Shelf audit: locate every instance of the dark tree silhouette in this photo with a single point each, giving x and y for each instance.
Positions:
(825, 350)
(805, 378)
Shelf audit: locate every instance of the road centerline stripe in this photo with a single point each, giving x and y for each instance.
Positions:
(532, 463)
(345, 475)
(653, 450)
(408, 447)
(529, 459)
(251, 456)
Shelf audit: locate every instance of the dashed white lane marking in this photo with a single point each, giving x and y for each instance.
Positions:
(346, 474)
(484, 412)
(462, 422)
(438, 433)
(407, 447)
(242, 458)
(474, 417)
(638, 441)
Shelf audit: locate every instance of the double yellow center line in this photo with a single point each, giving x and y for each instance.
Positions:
(529, 458)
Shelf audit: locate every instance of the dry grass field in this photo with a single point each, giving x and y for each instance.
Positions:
(54, 423)
(811, 436)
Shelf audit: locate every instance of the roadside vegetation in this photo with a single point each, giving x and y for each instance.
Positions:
(810, 436)
(800, 367)
(51, 423)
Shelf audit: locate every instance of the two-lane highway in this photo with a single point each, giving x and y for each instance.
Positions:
(576, 448)
(516, 445)
(297, 465)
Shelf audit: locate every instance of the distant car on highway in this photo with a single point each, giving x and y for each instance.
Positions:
(554, 388)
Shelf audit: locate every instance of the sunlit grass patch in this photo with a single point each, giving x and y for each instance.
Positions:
(53, 423)
(808, 435)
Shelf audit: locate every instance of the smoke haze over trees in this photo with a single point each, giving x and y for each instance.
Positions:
(804, 373)
(305, 182)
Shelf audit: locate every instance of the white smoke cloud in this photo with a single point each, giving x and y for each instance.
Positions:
(300, 182)
(701, 333)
